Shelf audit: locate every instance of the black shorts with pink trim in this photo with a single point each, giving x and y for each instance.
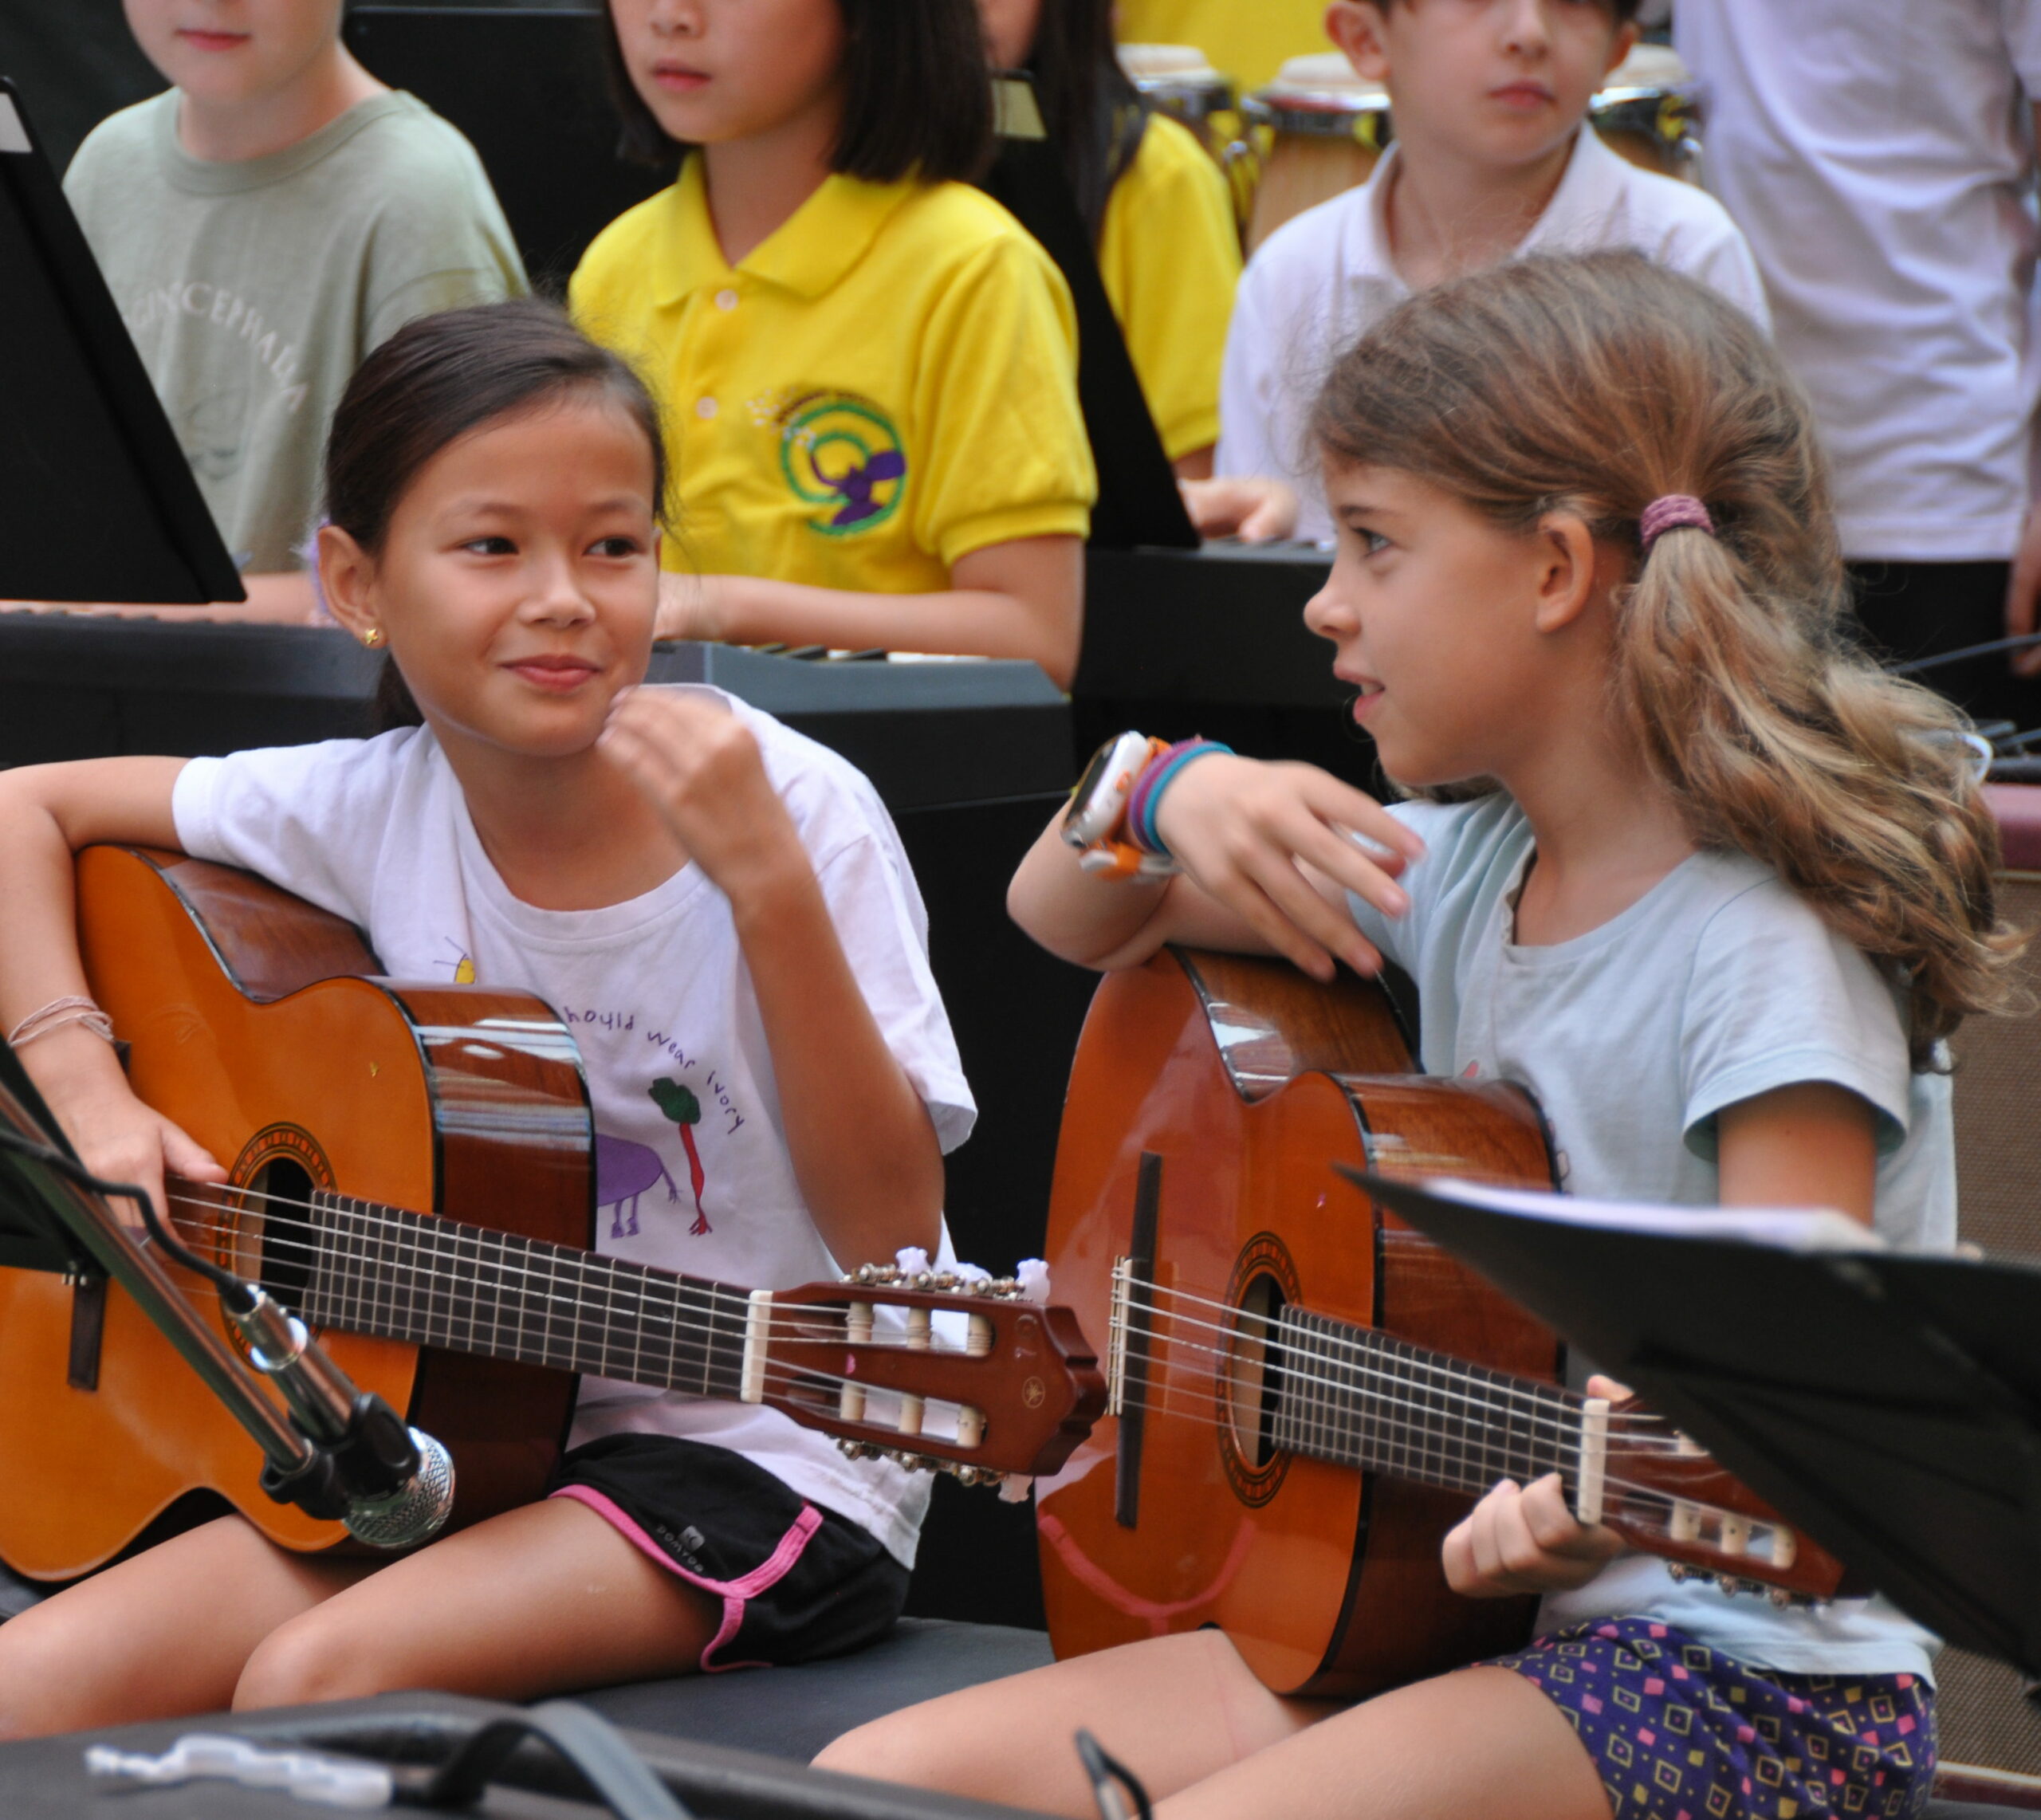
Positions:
(796, 1581)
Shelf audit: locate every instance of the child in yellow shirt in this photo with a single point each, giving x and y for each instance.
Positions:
(1159, 214)
(868, 369)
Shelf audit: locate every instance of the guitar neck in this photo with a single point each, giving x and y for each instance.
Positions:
(433, 1282)
(1361, 1398)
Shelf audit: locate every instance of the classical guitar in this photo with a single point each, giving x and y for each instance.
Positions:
(1304, 1393)
(412, 1172)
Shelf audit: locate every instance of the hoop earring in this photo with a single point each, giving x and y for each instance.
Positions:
(373, 637)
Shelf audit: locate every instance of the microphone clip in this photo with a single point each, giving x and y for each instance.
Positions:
(393, 1486)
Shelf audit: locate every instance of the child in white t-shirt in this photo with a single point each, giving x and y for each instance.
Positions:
(1705, 880)
(1881, 157)
(721, 910)
(1492, 160)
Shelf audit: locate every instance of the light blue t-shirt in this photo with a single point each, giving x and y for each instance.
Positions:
(1719, 983)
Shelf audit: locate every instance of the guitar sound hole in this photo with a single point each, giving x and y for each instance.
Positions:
(285, 1255)
(1255, 1377)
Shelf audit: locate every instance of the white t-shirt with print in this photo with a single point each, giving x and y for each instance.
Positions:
(657, 994)
(1717, 984)
(1880, 156)
(1321, 280)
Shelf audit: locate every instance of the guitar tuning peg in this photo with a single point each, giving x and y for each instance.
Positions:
(1679, 1570)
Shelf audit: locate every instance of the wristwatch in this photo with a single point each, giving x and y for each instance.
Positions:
(1096, 823)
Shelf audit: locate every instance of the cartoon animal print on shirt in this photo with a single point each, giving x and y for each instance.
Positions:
(624, 1170)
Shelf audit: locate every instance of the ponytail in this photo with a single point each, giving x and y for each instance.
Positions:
(1598, 385)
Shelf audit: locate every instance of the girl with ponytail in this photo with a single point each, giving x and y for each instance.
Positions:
(1674, 855)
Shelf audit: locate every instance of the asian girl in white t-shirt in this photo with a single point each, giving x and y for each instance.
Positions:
(721, 910)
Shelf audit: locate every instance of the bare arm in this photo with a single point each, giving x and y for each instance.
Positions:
(47, 813)
(1266, 862)
(1810, 1144)
(1254, 510)
(864, 1150)
(1024, 600)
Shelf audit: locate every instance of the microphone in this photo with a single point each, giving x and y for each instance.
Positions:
(392, 1485)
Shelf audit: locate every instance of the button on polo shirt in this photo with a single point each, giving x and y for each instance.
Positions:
(885, 384)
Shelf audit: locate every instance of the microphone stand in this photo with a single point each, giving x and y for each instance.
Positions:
(339, 1453)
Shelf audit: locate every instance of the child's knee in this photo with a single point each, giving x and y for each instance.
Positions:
(896, 1747)
(50, 1674)
(311, 1658)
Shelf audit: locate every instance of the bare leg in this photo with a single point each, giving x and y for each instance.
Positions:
(1175, 1710)
(543, 1598)
(1481, 1742)
(165, 1633)
(1185, 1714)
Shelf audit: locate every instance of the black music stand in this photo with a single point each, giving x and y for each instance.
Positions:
(1888, 1402)
(31, 1236)
(96, 499)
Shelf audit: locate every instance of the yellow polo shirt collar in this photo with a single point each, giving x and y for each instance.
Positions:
(809, 254)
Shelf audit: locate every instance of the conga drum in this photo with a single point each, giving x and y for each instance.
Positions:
(1324, 127)
(1646, 111)
(1176, 79)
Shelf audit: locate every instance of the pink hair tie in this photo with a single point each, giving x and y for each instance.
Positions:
(1669, 513)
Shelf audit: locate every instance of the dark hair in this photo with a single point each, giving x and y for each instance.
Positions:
(916, 101)
(1624, 11)
(1094, 115)
(435, 380)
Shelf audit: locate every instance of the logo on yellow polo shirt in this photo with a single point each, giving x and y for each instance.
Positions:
(841, 454)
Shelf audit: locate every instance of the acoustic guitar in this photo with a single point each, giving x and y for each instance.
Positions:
(1305, 1393)
(411, 1172)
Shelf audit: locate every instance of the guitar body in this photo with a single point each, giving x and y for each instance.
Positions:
(1242, 1083)
(254, 1023)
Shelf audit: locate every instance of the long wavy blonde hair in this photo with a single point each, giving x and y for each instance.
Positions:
(1594, 385)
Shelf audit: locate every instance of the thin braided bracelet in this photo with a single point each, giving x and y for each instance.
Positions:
(1147, 794)
(73, 1008)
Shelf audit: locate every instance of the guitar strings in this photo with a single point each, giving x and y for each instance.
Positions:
(1493, 1397)
(790, 1377)
(1392, 1426)
(661, 1289)
(1168, 1405)
(398, 1220)
(1424, 1376)
(1365, 1343)
(1494, 1400)
(1393, 1429)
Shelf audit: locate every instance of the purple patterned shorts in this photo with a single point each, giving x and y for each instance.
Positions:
(1681, 1732)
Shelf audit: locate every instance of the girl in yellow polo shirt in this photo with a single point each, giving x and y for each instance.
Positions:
(868, 369)
(1161, 219)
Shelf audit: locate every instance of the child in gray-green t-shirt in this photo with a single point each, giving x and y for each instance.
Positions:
(253, 286)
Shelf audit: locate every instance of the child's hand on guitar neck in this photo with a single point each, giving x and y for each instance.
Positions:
(116, 1136)
(1523, 1538)
(1276, 843)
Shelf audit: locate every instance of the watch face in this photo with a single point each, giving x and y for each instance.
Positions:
(1102, 791)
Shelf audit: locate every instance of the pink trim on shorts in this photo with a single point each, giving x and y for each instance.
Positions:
(734, 1594)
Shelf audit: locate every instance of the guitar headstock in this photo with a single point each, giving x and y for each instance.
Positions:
(936, 1369)
(1667, 1495)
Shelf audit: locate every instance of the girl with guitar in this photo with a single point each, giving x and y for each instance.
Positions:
(1675, 859)
(719, 908)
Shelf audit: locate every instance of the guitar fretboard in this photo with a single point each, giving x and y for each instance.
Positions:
(1361, 1398)
(438, 1283)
